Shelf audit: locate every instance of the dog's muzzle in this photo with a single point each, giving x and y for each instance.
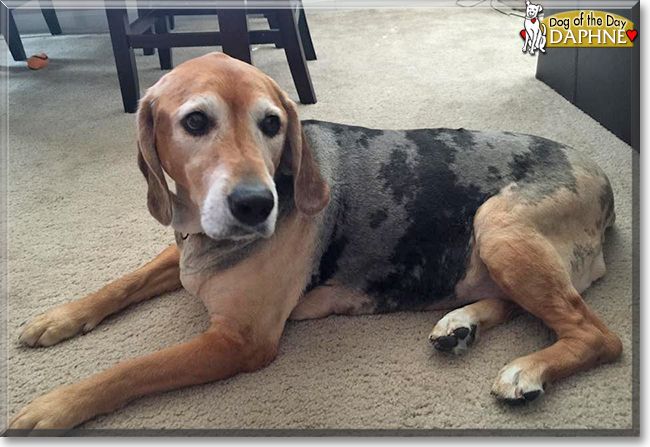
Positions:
(247, 210)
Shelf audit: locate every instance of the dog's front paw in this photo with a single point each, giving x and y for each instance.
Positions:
(518, 383)
(56, 325)
(57, 410)
(455, 332)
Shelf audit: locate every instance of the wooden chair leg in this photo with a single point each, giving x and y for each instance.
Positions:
(272, 18)
(164, 54)
(141, 13)
(49, 14)
(9, 30)
(296, 56)
(305, 35)
(233, 26)
(127, 71)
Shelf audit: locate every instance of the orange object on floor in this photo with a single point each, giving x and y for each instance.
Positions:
(38, 61)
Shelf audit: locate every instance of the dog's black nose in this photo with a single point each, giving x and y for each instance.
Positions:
(251, 203)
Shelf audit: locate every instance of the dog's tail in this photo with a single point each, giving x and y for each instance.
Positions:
(543, 26)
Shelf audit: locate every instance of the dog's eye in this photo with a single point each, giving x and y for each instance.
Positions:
(196, 123)
(270, 125)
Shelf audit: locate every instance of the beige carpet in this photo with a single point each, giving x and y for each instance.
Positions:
(78, 218)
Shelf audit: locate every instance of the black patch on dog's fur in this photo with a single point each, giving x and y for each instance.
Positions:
(329, 262)
(521, 166)
(545, 167)
(494, 175)
(397, 176)
(432, 255)
(377, 218)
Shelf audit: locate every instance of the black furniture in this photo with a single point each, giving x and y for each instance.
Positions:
(152, 30)
(142, 12)
(10, 32)
(602, 82)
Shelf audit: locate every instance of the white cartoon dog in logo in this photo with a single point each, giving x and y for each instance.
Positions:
(535, 37)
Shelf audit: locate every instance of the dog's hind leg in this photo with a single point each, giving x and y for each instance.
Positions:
(458, 330)
(542, 41)
(529, 268)
(158, 276)
(523, 50)
(332, 299)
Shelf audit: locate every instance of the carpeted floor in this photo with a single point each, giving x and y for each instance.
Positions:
(78, 219)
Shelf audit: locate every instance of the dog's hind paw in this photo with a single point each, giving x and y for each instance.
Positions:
(516, 384)
(455, 332)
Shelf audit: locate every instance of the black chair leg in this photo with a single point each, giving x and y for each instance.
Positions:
(172, 21)
(233, 26)
(141, 13)
(305, 35)
(273, 24)
(296, 56)
(127, 71)
(164, 54)
(9, 30)
(49, 14)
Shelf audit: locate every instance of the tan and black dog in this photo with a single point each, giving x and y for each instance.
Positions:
(277, 219)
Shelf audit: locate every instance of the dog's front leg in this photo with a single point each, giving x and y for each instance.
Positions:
(218, 353)
(158, 276)
(533, 42)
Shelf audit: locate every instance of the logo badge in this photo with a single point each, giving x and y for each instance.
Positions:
(534, 32)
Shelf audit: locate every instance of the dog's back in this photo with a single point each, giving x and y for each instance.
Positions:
(400, 223)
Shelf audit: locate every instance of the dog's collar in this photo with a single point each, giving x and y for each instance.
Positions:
(184, 236)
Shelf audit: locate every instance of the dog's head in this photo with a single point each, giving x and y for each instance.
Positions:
(221, 129)
(532, 10)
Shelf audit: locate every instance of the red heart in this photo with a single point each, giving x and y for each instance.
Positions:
(533, 20)
(631, 34)
(523, 34)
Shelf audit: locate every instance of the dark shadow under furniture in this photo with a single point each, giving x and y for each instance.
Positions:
(10, 32)
(152, 30)
(602, 82)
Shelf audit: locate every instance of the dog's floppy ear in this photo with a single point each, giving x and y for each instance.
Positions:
(527, 2)
(311, 193)
(539, 8)
(159, 199)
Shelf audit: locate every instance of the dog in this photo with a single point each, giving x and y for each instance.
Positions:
(535, 37)
(278, 219)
